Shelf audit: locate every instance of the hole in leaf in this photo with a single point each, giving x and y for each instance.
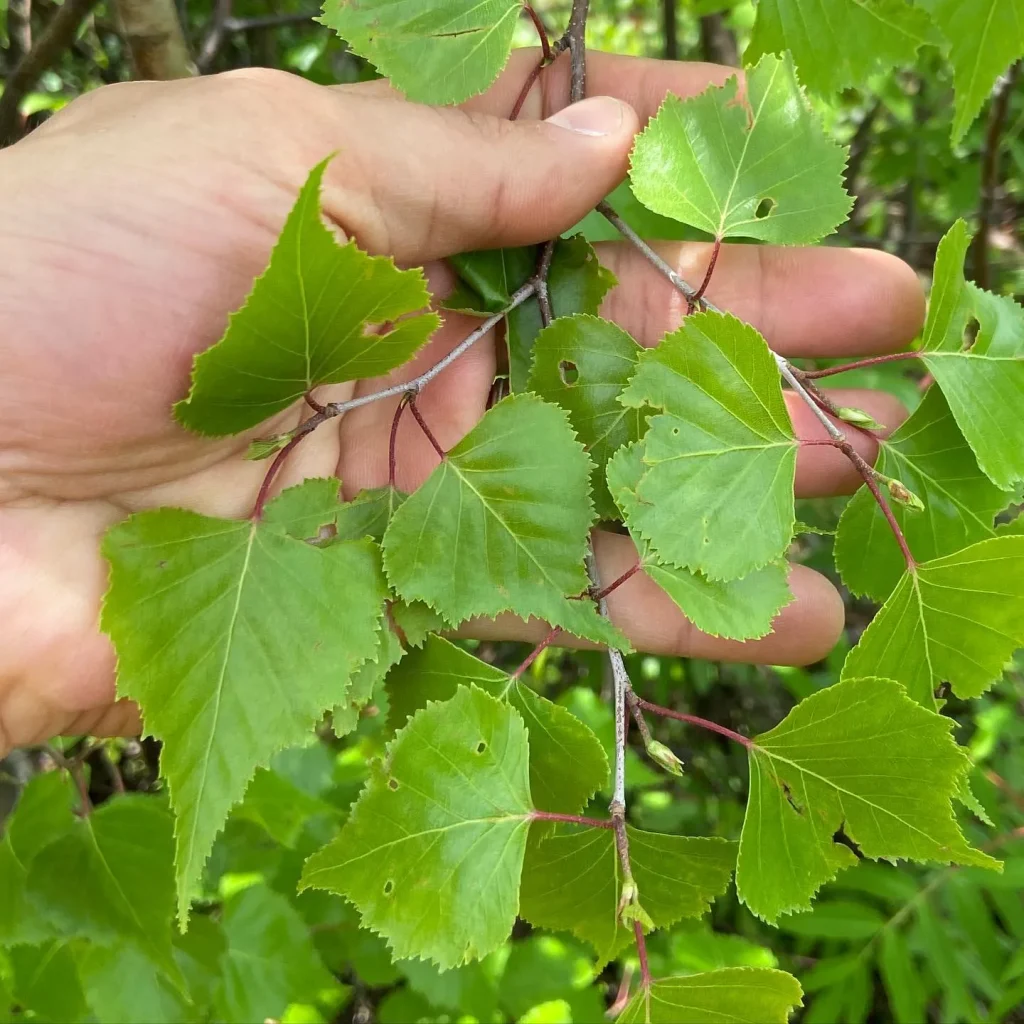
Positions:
(389, 887)
(675, 431)
(971, 329)
(481, 747)
(392, 784)
(843, 839)
(764, 208)
(568, 372)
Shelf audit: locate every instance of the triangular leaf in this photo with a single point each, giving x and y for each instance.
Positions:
(434, 53)
(861, 757)
(757, 166)
(572, 881)
(929, 455)
(305, 323)
(955, 619)
(739, 995)
(717, 495)
(582, 363)
(110, 878)
(567, 762)
(502, 524)
(837, 43)
(432, 852)
(227, 640)
(983, 382)
(740, 609)
(985, 37)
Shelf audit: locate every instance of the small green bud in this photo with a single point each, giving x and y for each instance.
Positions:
(661, 754)
(264, 447)
(859, 418)
(904, 496)
(632, 911)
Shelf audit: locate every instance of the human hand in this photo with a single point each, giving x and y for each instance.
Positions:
(144, 211)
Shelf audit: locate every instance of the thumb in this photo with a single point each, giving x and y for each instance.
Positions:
(422, 183)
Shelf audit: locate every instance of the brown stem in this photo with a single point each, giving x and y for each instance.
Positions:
(313, 403)
(638, 716)
(54, 40)
(540, 278)
(692, 304)
(215, 36)
(575, 40)
(542, 32)
(572, 819)
(857, 364)
(303, 431)
(615, 584)
(990, 174)
(703, 723)
(392, 441)
(641, 951)
(622, 994)
(531, 78)
(533, 655)
(155, 40)
(418, 416)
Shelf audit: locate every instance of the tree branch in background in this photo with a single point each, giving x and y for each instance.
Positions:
(860, 146)
(717, 42)
(153, 34)
(57, 37)
(19, 30)
(669, 20)
(990, 173)
(215, 36)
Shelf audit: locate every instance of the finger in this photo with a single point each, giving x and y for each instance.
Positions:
(641, 82)
(823, 471)
(421, 183)
(813, 302)
(804, 631)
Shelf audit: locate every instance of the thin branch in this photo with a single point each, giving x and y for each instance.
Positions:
(111, 768)
(669, 21)
(55, 39)
(615, 584)
(703, 723)
(572, 819)
(695, 301)
(638, 716)
(418, 417)
(531, 78)
(300, 434)
(152, 31)
(641, 952)
(990, 173)
(535, 653)
(542, 32)
(541, 279)
(621, 684)
(215, 36)
(857, 364)
(264, 21)
(575, 40)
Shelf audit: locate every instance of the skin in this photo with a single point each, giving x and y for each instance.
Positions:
(146, 210)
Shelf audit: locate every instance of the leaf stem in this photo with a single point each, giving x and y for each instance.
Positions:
(534, 654)
(695, 301)
(418, 416)
(301, 433)
(393, 439)
(857, 364)
(572, 819)
(531, 78)
(703, 723)
(542, 32)
(615, 584)
(641, 950)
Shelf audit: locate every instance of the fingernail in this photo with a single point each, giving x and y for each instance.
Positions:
(598, 115)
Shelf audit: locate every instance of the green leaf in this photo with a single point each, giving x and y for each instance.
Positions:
(279, 807)
(740, 609)
(582, 363)
(753, 166)
(983, 383)
(270, 959)
(567, 762)
(227, 636)
(907, 999)
(46, 982)
(502, 524)
(740, 995)
(434, 53)
(572, 881)
(837, 43)
(41, 816)
(306, 323)
(717, 495)
(366, 681)
(576, 284)
(123, 987)
(985, 37)
(859, 756)
(110, 879)
(432, 852)
(930, 456)
(955, 619)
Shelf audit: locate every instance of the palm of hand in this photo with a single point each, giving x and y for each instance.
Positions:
(128, 260)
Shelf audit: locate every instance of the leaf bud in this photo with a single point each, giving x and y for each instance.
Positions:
(858, 417)
(904, 496)
(662, 755)
(264, 447)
